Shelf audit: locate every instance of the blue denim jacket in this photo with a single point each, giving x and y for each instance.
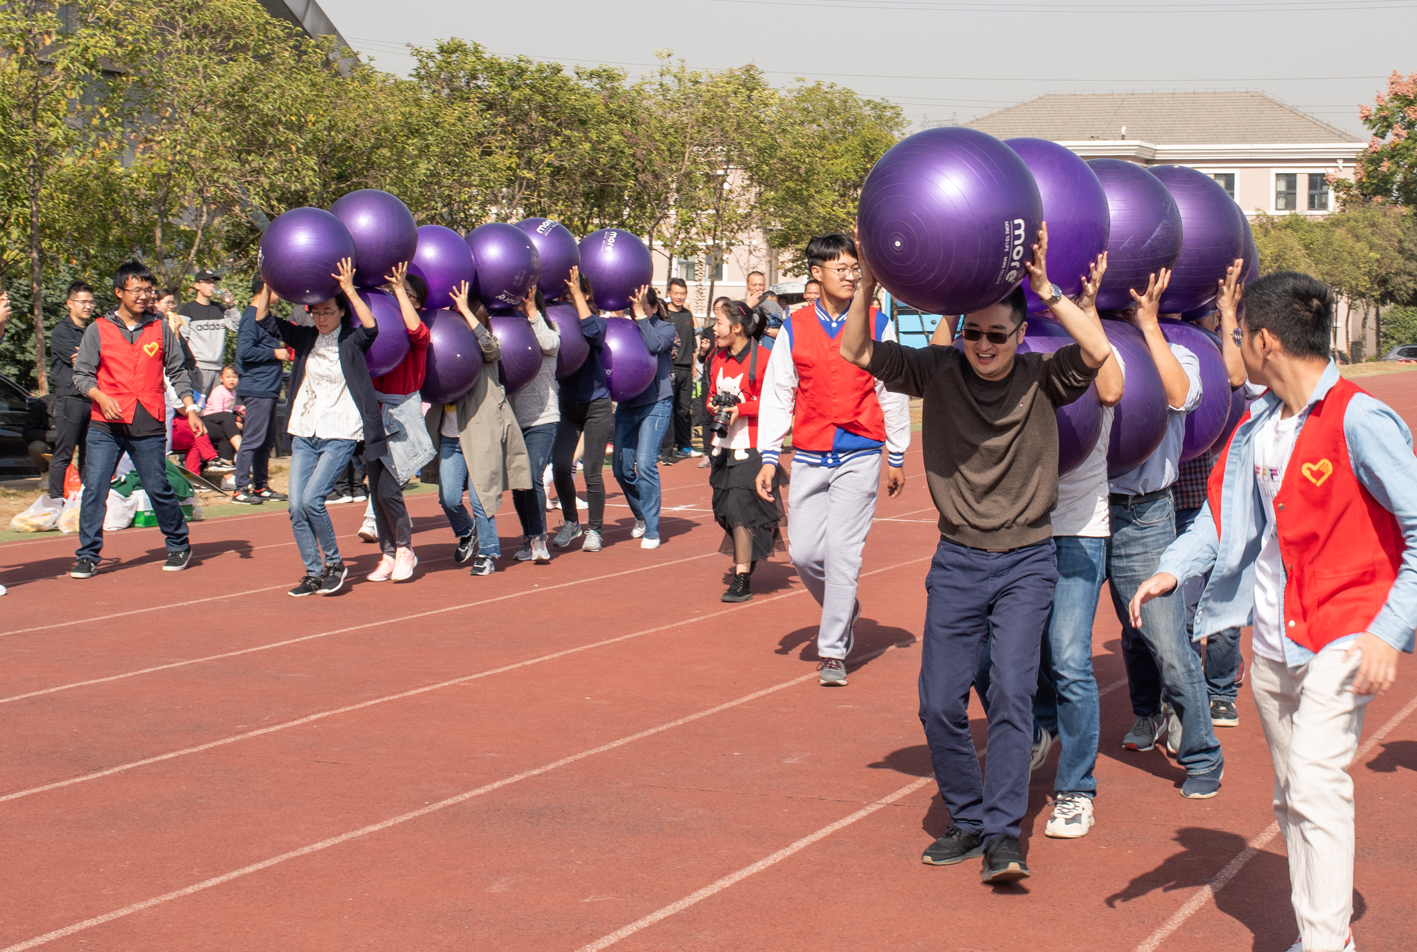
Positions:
(1380, 448)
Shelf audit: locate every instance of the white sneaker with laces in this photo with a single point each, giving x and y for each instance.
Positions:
(1072, 817)
(649, 543)
(591, 542)
(369, 532)
(539, 552)
(638, 532)
(581, 503)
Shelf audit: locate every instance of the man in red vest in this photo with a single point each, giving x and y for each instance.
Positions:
(841, 418)
(125, 360)
(1310, 528)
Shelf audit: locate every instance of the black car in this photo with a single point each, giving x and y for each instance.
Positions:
(15, 462)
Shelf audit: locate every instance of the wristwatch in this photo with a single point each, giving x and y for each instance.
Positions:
(1057, 295)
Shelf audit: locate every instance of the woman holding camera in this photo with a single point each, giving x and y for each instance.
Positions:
(735, 382)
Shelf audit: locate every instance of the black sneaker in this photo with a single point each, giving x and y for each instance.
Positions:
(332, 579)
(269, 495)
(309, 585)
(1223, 713)
(482, 565)
(84, 568)
(464, 550)
(1003, 861)
(177, 561)
(955, 846)
(739, 590)
(246, 499)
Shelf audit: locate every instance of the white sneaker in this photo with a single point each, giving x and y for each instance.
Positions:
(1173, 730)
(1072, 817)
(338, 500)
(649, 543)
(592, 541)
(369, 532)
(539, 552)
(1041, 746)
(581, 503)
(552, 505)
(1298, 946)
(638, 532)
(2, 590)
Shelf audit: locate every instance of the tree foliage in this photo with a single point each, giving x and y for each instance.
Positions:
(1387, 169)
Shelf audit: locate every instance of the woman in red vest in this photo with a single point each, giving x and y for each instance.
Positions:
(1320, 480)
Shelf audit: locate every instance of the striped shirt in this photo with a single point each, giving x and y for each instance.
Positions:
(324, 408)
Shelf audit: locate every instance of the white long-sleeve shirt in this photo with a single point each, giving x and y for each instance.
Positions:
(537, 402)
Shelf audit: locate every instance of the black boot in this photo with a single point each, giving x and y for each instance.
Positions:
(739, 590)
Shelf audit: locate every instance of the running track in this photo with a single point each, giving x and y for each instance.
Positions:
(572, 757)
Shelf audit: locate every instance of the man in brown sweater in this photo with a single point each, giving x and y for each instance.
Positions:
(990, 441)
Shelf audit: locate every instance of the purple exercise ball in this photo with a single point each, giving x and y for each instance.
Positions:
(574, 347)
(444, 261)
(1139, 420)
(629, 366)
(505, 262)
(1079, 422)
(391, 346)
(521, 354)
(1212, 237)
(1146, 230)
(618, 264)
(383, 230)
(1204, 423)
(947, 218)
(299, 253)
(559, 253)
(1239, 405)
(1075, 208)
(454, 358)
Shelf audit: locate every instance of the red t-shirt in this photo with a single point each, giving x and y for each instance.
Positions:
(408, 376)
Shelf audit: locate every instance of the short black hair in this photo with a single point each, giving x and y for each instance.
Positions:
(168, 292)
(258, 284)
(751, 273)
(77, 287)
(1018, 305)
(128, 271)
(1296, 308)
(678, 283)
(420, 289)
(810, 281)
(824, 248)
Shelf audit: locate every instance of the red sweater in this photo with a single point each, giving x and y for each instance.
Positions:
(749, 387)
(408, 376)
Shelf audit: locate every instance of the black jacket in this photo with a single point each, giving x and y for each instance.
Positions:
(353, 343)
(63, 344)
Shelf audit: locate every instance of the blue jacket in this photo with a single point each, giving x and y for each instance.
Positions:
(588, 383)
(1380, 449)
(257, 367)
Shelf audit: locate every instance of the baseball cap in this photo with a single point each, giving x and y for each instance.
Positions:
(205, 276)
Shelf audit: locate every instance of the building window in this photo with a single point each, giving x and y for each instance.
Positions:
(1318, 192)
(1226, 180)
(1286, 192)
(690, 270)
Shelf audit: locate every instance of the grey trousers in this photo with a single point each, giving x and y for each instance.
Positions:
(829, 513)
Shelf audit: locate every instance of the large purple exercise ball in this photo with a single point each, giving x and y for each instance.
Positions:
(1079, 422)
(443, 260)
(617, 264)
(505, 262)
(392, 345)
(1075, 208)
(383, 230)
(1239, 406)
(1212, 237)
(1204, 423)
(629, 366)
(947, 218)
(521, 354)
(1139, 421)
(558, 249)
(300, 252)
(454, 358)
(1146, 230)
(574, 347)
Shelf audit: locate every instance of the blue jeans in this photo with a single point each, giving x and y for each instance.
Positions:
(452, 480)
(1159, 657)
(531, 503)
(102, 450)
(638, 433)
(1222, 650)
(315, 464)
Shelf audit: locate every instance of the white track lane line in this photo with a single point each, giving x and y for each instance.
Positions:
(539, 590)
(1222, 879)
(320, 715)
(405, 817)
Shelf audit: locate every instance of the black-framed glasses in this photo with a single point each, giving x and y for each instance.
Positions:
(995, 337)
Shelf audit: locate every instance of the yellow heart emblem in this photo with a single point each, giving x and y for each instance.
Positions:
(1316, 473)
(152, 348)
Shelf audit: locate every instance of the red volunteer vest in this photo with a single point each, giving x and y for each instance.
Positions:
(1340, 548)
(831, 393)
(132, 373)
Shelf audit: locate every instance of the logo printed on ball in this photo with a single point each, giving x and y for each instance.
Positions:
(1014, 235)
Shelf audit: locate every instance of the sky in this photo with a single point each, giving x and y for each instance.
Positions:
(944, 61)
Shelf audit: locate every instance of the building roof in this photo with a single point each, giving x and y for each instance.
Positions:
(1179, 118)
(305, 14)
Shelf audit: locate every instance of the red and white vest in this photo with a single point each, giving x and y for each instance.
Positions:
(831, 393)
(132, 373)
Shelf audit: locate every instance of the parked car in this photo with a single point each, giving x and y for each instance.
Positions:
(1402, 352)
(15, 462)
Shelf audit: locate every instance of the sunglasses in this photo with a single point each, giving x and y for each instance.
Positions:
(995, 337)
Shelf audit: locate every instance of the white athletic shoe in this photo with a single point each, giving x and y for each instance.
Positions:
(638, 532)
(1298, 946)
(369, 532)
(581, 503)
(1072, 817)
(649, 543)
(1173, 729)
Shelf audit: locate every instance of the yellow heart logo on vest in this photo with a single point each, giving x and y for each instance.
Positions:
(1316, 473)
(152, 348)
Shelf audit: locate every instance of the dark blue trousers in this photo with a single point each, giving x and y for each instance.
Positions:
(971, 593)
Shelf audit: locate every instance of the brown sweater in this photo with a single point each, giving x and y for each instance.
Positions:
(991, 448)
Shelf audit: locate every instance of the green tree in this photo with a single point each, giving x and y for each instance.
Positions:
(1387, 170)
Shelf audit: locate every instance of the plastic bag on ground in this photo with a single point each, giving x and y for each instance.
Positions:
(41, 516)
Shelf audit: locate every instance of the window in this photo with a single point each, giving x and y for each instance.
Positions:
(1226, 180)
(1318, 192)
(1286, 192)
(691, 269)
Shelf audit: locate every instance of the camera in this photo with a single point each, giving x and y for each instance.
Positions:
(722, 403)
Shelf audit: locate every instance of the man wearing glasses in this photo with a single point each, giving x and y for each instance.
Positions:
(125, 359)
(841, 419)
(990, 440)
(72, 408)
